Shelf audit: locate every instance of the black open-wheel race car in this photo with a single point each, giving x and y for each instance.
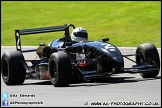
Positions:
(64, 62)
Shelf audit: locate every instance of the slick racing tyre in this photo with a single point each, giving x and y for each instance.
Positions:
(13, 72)
(60, 70)
(148, 53)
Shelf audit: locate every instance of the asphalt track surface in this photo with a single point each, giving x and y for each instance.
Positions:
(121, 90)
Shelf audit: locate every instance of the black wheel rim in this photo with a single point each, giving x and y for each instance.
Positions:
(140, 58)
(5, 69)
(53, 71)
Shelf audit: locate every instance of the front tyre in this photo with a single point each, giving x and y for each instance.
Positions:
(148, 53)
(60, 70)
(13, 72)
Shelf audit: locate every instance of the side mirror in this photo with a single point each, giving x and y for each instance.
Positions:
(64, 39)
(105, 39)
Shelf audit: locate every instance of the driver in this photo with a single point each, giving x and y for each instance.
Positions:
(79, 34)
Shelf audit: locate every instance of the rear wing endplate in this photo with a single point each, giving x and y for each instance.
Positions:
(19, 33)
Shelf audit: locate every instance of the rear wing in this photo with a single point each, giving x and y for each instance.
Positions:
(19, 33)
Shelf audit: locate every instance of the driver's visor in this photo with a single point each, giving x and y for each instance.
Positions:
(81, 34)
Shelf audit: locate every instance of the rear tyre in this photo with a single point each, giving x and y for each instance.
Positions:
(60, 70)
(148, 53)
(13, 71)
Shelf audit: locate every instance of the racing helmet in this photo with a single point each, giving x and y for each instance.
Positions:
(79, 34)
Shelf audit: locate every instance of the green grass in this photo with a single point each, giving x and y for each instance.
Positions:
(126, 23)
